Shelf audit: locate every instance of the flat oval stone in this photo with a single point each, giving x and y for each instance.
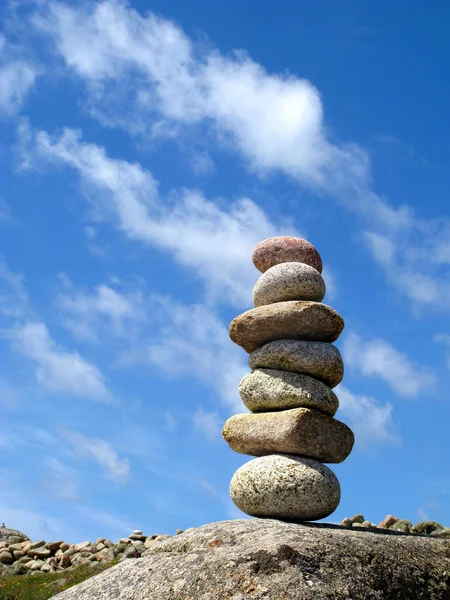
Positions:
(271, 389)
(289, 281)
(285, 487)
(286, 320)
(299, 431)
(282, 249)
(317, 359)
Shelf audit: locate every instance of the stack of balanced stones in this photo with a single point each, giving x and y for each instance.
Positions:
(291, 426)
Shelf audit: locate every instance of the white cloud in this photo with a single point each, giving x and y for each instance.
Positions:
(13, 295)
(195, 231)
(90, 316)
(148, 68)
(143, 73)
(382, 248)
(275, 121)
(378, 358)
(208, 423)
(57, 370)
(370, 421)
(100, 451)
(194, 342)
(17, 78)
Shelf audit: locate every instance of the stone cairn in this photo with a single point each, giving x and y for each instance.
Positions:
(291, 428)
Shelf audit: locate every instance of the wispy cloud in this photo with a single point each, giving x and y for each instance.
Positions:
(17, 77)
(13, 295)
(104, 310)
(208, 423)
(275, 121)
(378, 358)
(101, 452)
(143, 73)
(59, 371)
(370, 420)
(194, 342)
(192, 229)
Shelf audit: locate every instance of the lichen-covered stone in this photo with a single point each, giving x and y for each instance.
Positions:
(442, 533)
(282, 249)
(289, 281)
(285, 487)
(299, 431)
(272, 389)
(317, 359)
(426, 527)
(286, 320)
(402, 525)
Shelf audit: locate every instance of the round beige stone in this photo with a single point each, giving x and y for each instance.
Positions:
(317, 359)
(281, 249)
(271, 389)
(286, 320)
(289, 281)
(285, 487)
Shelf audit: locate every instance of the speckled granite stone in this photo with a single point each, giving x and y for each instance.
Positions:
(269, 559)
(318, 359)
(289, 281)
(285, 487)
(272, 389)
(286, 320)
(276, 250)
(298, 431)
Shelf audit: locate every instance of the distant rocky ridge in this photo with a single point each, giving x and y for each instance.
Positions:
(19, 555)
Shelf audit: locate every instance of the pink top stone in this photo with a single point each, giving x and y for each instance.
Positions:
(276, 250)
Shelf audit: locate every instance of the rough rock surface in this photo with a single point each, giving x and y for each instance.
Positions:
(285, 487)
(272, 389)
(255, 559)
(286, 320)
(276, 250)
(289, 281)
(299, 431)
(318, 359)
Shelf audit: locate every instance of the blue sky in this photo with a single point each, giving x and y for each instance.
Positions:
(145, 148)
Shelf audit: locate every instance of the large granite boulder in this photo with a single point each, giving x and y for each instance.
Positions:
(261, 558)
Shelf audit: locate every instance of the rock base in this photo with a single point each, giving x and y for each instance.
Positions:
(259, 558)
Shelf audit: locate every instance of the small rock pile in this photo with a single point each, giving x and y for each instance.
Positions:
(392, 523)
(291, 428)
(19, 555)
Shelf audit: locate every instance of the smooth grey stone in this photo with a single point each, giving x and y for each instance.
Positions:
(320, 360)
(271, 389)
(289, 281)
